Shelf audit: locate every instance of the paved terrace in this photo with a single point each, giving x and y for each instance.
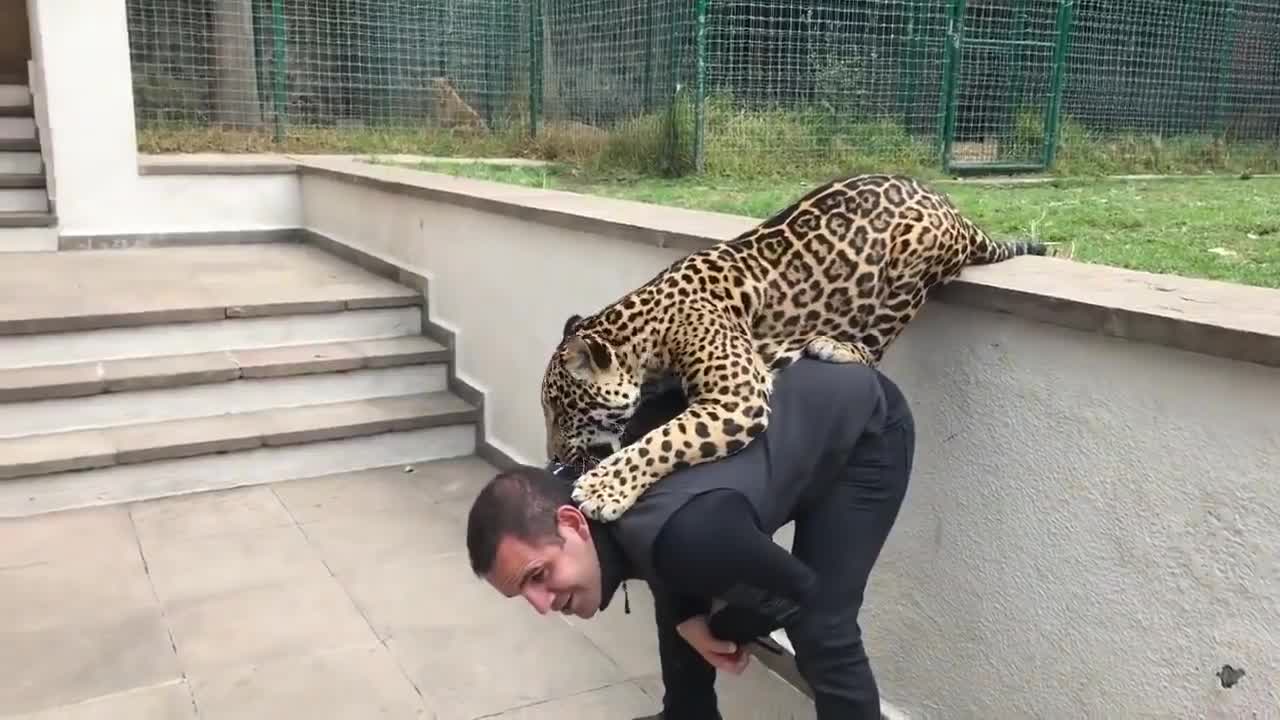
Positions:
(346, 596)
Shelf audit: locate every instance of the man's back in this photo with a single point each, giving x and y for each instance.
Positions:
(819, 411)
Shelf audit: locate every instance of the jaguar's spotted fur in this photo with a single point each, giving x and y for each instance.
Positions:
(836, 276)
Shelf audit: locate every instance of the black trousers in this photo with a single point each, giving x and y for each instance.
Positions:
(839, 534)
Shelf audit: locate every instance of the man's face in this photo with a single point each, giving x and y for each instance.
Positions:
(554, 577)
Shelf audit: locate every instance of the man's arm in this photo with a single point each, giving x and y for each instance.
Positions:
(713, 547)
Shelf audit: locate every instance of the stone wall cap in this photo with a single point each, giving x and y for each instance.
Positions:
(1228, 320)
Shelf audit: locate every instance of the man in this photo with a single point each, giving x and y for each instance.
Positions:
(835, 458)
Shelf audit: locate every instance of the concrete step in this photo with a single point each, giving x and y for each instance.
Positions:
(18, 181)
(17, 128)
(19, 145)
(22, 162)
(140, 373)
(23, 200)
(76, 380)
(12, 94)
(42, 219)
(145, 442)
(113, 409)
(265, 463)
(183, 338)
(25, 109)
(111, 289)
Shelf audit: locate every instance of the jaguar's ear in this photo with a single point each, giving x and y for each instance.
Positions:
(585, 358)
(570, 324)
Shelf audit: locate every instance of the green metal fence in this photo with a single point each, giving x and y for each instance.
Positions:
(722, 86)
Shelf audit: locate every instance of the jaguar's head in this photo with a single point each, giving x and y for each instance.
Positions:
(589, 392)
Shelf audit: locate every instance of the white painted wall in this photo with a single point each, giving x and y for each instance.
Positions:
(84, 60)
(1093, 525)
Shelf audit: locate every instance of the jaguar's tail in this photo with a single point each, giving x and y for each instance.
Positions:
(985, 251)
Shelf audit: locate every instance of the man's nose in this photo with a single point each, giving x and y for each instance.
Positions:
(540, 599)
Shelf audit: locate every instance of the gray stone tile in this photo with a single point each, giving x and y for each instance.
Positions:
(170, 701)
(371, 539)
(74, 591)
(54, 666)
(188, 570)
(455, 478)
(757, 693)
(207, 513)
(91, 536)
(623, 701)
(349, 496)
(470, 671)
(416, 590)
(630, 640)
(261, 624)
(344, 685)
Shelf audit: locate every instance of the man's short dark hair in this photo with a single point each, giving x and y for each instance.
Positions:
(522, 502)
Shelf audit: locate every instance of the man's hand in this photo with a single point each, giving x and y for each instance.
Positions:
(741, 625)
(722, 654)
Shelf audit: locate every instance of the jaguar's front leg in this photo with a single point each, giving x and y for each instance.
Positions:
(725, 413)
(703, 433)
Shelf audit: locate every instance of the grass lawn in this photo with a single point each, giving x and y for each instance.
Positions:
(1216, 228)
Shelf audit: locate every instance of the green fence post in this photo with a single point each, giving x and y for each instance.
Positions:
(1053, 111)
(649, 52)
(673, 66)
(1017, 71)
(1224, 61)
(700, 108)
(906, 59)
(950, 69)
(278, 66)
(535, 65)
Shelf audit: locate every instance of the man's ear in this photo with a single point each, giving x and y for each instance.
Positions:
(572, 519)
(584, 358)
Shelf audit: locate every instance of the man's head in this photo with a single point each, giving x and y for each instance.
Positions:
(526, 538)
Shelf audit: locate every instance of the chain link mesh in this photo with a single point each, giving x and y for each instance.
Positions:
(769, 87)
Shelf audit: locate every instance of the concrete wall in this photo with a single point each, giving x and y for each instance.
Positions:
(1092, 529)
(84, 63)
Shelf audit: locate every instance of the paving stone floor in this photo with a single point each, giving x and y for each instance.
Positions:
(340, 597)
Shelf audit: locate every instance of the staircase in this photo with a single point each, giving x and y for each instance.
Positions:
(146, 372)
(26, 218)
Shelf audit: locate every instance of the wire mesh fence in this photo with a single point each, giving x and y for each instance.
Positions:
(722, 86)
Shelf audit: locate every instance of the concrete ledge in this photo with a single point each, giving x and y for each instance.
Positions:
(216, 164)
(285, 163)
(178, 239)
(1213, 318)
